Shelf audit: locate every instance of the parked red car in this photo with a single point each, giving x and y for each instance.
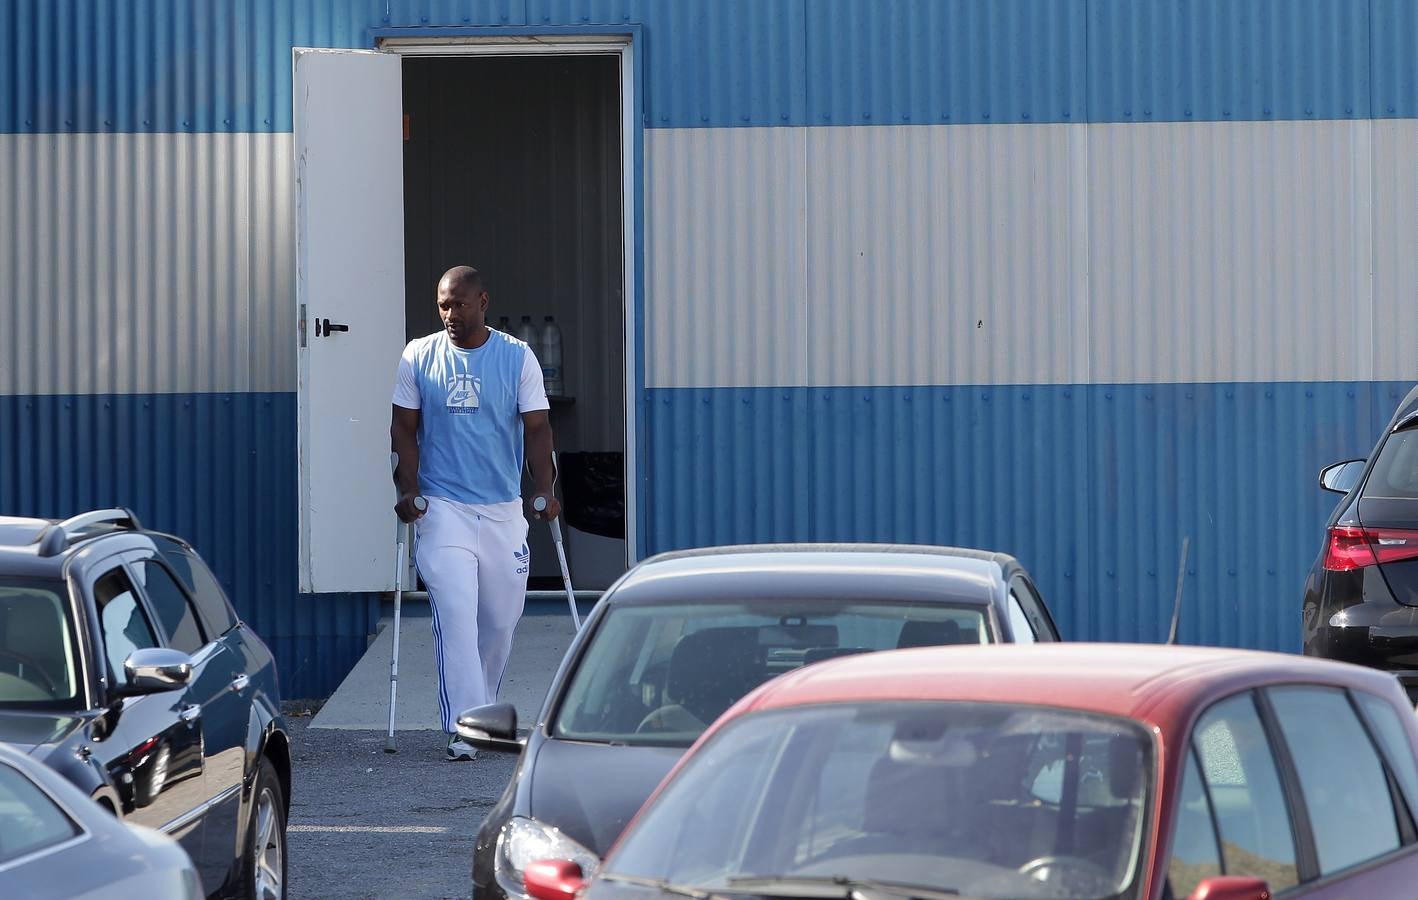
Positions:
(1079, 771)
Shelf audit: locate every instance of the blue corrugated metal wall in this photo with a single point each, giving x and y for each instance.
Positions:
(173, 66)
(216, 469)
(1092, 485)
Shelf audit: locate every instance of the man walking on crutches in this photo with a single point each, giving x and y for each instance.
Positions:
(466, 399)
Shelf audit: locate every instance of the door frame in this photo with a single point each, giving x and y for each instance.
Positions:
(624, 42)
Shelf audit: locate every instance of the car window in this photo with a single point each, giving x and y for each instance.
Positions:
(1195, 853)
(1393, 739)
(169, 604)
(1019, 625)
(1343, 782)
(1395, 472)
(37, 651)
(1033, 607)
(124, 624)
(29, 820)
(659, 674)
(1028, 802)
(217, 614)
(1244, 784)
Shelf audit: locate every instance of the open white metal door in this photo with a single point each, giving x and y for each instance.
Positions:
(350, 290)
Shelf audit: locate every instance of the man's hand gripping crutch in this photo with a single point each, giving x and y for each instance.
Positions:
(539, 506)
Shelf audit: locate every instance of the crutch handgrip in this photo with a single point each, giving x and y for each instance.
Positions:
(539, 504)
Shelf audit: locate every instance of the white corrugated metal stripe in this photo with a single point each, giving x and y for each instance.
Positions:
(969, 254)
(725, 254)
(1032, 254)
(146, 263)
(939, 255)
(1231, 252)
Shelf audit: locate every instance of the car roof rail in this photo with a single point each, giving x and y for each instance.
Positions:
(56, 538)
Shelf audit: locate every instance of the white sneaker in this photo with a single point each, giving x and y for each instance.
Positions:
(459, 749)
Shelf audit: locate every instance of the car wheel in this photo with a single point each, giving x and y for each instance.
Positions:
(263, 869)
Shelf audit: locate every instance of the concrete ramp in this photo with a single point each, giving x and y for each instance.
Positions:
(362, 700)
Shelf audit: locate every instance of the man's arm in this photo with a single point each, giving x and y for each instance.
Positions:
(403, 440)
(536, 431)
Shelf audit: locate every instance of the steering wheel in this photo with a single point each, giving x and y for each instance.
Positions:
(652, 721)
(1072, 871)
(670, 717)
(23, 660)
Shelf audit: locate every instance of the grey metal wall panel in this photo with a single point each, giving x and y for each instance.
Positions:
(863, 256)
(1230, 252)
(146, 263)
(939, 255)
(1031, 254)
(1395, 261)
(725, 256)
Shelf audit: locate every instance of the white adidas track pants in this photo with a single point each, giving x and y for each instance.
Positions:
(474, 562)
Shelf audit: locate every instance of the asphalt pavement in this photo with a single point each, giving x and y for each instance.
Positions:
(370, 824)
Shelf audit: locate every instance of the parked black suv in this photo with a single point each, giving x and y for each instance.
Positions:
(1361, 599)
(124, 667)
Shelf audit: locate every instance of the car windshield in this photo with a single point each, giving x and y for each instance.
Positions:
(987, 800)
(37, 664)
(660, 674)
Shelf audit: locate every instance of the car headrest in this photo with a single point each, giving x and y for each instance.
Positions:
(712, 668)
(929, 634)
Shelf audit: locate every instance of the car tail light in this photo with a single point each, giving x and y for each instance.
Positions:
(1354, 548)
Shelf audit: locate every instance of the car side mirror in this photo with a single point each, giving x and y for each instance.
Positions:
(155, 670)
(1231, 887)
(1342, 476)
(492, 727)
(554, 879)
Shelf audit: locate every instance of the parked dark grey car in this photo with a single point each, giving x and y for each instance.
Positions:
(683, 636)
(124, 667)
(57, 843)
(1361, 597)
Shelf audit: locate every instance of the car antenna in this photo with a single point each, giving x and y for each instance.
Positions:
(1181, 580)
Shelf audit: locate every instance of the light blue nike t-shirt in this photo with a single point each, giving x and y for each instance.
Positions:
(470, 406)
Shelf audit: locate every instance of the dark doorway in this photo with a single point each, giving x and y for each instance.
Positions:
(513, 165)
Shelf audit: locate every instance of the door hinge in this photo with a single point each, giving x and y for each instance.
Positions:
(407, 121)
(301, 326)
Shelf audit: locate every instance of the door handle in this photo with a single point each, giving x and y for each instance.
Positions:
(239, 683)
(328, 327)
(191, 713)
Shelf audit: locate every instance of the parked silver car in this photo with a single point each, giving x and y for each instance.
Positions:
(55, 842)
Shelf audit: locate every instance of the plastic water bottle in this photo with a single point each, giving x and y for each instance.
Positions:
(550, 355)
(527, 333)
(504, 326)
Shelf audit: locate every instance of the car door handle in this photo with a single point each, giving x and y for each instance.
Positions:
(191, 713)
(239, 683)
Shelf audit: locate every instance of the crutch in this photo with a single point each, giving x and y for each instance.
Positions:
(540, 505)
(402, 536)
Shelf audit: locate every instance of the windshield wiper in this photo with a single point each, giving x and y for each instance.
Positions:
(659, 885)
(832, 886)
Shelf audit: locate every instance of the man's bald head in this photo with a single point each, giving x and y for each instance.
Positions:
(462, 305)
(463, 280)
